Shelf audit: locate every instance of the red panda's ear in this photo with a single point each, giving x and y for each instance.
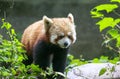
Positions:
(70, 16)
(47, 22)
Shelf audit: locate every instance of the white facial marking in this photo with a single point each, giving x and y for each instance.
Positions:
(69, 33)
(74, 37)
(64, 42)
(73, 33)
(52, 39)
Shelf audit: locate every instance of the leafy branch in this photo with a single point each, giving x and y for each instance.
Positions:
(108, 24)
(110, 28)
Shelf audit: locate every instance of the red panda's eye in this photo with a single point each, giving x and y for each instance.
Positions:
(61, 36)
(69, 36)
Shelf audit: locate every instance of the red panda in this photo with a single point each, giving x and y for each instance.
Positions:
(49, 36)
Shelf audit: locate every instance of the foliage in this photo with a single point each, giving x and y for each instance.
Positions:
(12, 55)
(110, 28)
(107, 69)
(108, 24)
(105, 59)
(76, 62)
(72, 62)
(102, 71)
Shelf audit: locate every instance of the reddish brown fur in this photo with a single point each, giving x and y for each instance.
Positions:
(62, 24)
(32, 34)
(46, 37)
(37, 32)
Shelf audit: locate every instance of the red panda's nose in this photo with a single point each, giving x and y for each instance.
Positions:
(66, 44)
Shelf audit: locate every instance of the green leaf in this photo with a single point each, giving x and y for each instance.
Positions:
(112, 69)
(102, 71)
(35, 67)
(5, 73)
(107, 7)
(6, 25)
(96, 14)
(103, 59)
(113, 33)
(70, 57)
(20, 58)
(95, 60)
(115, 22)
(107, 22)
(13, 32)
(118, 42)
(104, 23)
(3, 20)
(115, 60)
(13, 71)
(75, 61)
(115, 1)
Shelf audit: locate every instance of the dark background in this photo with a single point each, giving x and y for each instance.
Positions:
(21, 13)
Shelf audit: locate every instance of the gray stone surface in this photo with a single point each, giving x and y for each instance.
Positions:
(91, 71)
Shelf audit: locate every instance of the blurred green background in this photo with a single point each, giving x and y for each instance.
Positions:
(21, 13)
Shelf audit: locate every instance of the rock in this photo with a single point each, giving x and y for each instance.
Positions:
(91, 71)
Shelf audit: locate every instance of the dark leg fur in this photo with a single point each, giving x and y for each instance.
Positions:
(41, 55)
(59, 60)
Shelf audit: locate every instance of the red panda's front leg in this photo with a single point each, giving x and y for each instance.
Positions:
(41, 55)
(59, 60)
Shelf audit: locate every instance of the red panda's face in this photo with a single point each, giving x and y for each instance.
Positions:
(62, 31)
